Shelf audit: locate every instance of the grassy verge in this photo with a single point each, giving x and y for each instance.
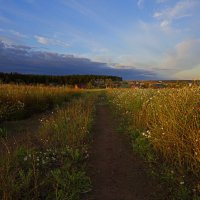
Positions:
(164, 126)
(51, 164)
(21, 101)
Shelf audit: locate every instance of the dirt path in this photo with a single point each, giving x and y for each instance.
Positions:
(116, 172)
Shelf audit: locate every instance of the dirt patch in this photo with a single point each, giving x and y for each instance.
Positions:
(116, 172)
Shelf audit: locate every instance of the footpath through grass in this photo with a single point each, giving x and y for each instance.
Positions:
(165, 129)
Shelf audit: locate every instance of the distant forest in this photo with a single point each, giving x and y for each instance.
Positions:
(56, 80)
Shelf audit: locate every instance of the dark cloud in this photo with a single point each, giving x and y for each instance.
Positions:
(23, 59)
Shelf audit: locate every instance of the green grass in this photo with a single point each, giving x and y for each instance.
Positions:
(51, 164)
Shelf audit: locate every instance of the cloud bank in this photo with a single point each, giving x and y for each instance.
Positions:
(23, 59)
(184, 59)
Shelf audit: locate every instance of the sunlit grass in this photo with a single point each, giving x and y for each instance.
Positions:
(19, 101)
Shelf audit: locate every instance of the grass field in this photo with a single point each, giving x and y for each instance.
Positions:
(49, 164)
(21, 101)
(165, 128)
(163, 124)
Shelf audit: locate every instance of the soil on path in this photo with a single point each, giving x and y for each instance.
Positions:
(116, 172)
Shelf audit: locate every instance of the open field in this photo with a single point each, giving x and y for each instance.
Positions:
(74, 152)
(49, 163)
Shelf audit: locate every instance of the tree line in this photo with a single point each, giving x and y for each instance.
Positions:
(55, 80)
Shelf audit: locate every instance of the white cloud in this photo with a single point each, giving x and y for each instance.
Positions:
(165, 24)
(42, 40)
(11, 32)
(50, 41)
(184, 56)
(18, 34)
(168, 15)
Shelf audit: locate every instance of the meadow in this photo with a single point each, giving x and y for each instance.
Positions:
(164, 125)
(21, 101)
(50, 163)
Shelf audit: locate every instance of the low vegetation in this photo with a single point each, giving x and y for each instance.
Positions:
(165, 128)
(164, 125)
(50, 165)
(20, 101)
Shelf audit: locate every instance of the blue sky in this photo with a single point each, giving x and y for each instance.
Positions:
(142, 39)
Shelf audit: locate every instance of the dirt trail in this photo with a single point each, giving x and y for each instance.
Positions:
(116, 172)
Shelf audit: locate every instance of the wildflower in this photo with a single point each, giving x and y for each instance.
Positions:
(25, 158)
(87, 156)
(182, 183)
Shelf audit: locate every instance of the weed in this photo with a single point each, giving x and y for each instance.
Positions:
(165, 126)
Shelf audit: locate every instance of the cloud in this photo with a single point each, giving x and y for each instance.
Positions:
(184, 56)
(193, 74)
(18, 34)
(167, 16)
(23, 59)
(42, 40)
(14, 33)
(50, 41)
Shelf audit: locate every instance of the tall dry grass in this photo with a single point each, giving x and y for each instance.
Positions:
(18, 101)
(169, 119)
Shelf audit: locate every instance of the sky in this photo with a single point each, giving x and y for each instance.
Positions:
(135, 39)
